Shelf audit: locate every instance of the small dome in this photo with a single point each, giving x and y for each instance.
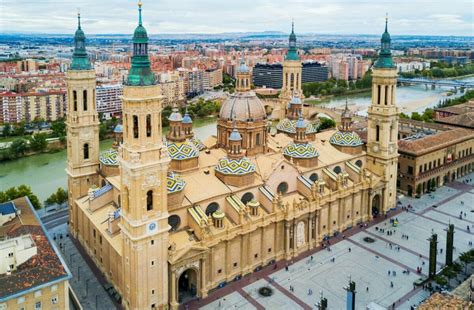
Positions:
(386, 37)
(235, 135)
(300, 150)
(140, 34)
(345, 138)
(243, 107)
(289, 126)
(182, 150)
(231, 166)
(300, 123)
(118, 128)
(109, 157)
(218, 215)
(79, 35)
(187, 119)
(174, 183)
(242, 68)
(175, 116)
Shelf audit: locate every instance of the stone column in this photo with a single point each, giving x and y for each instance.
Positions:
(203, 279)
(310, 230)
(287, 240)
(173, 302)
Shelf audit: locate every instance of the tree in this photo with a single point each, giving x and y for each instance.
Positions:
(326, 123)
(7, 129)
(20, 191)
(59, 128)
(18, 147)
(38, 142)
(19, 129)
(466, 258)
(59, 197)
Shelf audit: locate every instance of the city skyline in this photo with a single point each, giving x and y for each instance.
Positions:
(191, 17)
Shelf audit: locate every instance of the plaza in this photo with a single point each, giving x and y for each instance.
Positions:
(367, 264)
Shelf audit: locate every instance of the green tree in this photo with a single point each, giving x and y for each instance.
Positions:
(59, 128)
(416, 116)
(326, 123)
(20, 191)
(466, 258)
(18, 147)
(7, 129)
(19, 129)
(59, 197)
(38, 142)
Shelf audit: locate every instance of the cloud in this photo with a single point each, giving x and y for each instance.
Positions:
(433, 17)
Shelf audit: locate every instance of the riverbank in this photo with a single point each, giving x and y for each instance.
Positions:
(329, 97)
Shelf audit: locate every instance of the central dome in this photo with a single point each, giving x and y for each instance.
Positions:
(243, 107)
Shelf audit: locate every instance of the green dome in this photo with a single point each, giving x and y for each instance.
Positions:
(80, 61)
(140, 73)
(385, 56)
(292, 50)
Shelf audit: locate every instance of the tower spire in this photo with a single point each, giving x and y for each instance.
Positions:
(140, 12)
(386, 22)
(78, 18)
(80, 61)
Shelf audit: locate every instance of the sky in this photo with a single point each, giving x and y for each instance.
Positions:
(406, 17)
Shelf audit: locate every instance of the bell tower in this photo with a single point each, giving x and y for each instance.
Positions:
(382, 145)
(82, 127)
(144, 164)
(292, 71)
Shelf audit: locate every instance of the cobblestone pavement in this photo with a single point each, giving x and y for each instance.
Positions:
(85, 283)
(366, 263)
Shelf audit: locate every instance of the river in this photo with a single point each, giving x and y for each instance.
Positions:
(46, 172)
(415, 98)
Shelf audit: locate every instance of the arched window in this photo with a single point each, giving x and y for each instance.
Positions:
(359, 163)
(246, 198)
(84, 100)
(74, 99)
(211, 208)
(337, 169)
(257, 139)
(135, 127)
(314, 177)
(148, 125)
(174, 221)
(149, 200)
(119, 202)
(282, 188)
(377, 133)
(386, 94)
(86, 151)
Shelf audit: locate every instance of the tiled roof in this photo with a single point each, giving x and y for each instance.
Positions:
(43, 268)
(462, 120)
(440, 301)
(458, 109)
(436, 141)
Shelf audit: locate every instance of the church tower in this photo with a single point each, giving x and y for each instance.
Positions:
(292, 71)
(143, 168)
(382, 147)
(82, 126)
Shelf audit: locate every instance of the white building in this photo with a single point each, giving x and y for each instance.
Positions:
(109, 99)
(16, 251)
(411, 66)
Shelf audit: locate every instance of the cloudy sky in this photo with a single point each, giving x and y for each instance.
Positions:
(431, 17)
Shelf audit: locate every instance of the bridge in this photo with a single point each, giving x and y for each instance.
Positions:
(310, 112)
(449, 83)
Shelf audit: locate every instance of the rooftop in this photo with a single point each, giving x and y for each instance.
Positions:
(462, 120)
(439, 140)
(43, 268)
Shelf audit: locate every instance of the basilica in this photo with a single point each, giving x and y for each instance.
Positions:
(168, 218)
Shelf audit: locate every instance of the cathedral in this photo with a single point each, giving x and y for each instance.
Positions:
(168, 218)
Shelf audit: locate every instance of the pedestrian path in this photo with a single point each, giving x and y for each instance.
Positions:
(375, 267)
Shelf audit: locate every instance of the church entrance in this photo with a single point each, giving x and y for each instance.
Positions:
(187, 285)
(376, 205)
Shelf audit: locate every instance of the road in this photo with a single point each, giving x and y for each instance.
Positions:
(55, 219)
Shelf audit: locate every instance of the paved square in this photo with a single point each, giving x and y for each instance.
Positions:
(368, 264)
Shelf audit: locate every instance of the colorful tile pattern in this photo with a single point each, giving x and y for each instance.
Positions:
(346, 138)
(109, 157)
(197, 143)
(182, 150)
(174, 183)
(300, 150)
(235, 166)
(289, 126)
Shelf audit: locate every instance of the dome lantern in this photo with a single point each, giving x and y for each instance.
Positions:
(80, 61)
(140, 73)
